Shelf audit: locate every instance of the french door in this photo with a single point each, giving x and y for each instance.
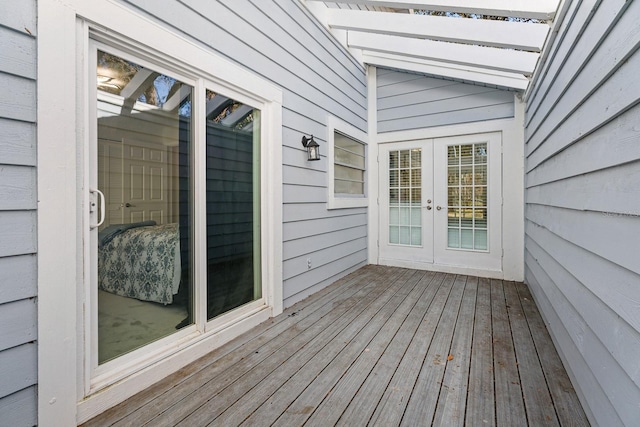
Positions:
(441, 202)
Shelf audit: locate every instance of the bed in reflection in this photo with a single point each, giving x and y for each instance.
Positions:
(140, 260)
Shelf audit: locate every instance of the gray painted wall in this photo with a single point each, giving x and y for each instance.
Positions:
(583, 204)
(18, 357)
(410, 101)
(280, 41)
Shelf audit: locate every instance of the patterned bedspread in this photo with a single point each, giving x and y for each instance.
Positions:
(142, 263)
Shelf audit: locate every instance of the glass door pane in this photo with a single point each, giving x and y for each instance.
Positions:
(405, 197)
(144, 171)
(233, 204)
(467, 196)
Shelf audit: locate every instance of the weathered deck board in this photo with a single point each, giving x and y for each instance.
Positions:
(394, 401)
(271, 333)
(373, 349)
(480, 396)
(536, 395)
(366, 399)
(565, 400)
(450, 410)
(423, 400)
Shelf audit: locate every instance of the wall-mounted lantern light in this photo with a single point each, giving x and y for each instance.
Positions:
(313, 149)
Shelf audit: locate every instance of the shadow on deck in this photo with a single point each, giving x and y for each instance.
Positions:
(383, 346)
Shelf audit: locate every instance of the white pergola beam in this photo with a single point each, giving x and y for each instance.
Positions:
(237, 116)
(453, 71)
(177, 98)
(534, 9)
(510, 35)
(509, 60)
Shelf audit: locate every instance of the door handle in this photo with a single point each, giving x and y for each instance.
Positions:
(102, 207)
(439, 207)
(428, 208)
(129, 205)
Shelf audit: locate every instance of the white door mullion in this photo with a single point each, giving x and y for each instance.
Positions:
(199, 191)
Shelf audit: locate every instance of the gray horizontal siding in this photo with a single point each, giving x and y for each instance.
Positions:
(19, 409)
(281, 42)
(18, 317)
(408, 101)
(583, 203)
(18, 312)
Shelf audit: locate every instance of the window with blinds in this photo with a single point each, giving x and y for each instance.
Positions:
(349, 165)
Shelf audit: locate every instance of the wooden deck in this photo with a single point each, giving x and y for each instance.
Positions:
(383, 346)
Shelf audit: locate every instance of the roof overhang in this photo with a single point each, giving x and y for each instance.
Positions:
(387, 33)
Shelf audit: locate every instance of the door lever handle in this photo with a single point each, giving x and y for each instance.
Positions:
(129, 205)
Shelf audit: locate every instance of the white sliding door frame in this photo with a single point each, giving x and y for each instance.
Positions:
(64, 303)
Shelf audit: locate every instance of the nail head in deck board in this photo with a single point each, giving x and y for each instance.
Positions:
(509, 404)
(480, 408)
(565, 400)
(364, 326)
(537, 400)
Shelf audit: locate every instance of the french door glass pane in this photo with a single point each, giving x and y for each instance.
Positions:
(405, 197)
(467, 196)
(233, 204)
(144, 171)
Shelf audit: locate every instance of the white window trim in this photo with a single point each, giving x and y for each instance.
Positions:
(334, 125)
(61, 130)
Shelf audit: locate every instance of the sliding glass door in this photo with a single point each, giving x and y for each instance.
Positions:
(167, 159)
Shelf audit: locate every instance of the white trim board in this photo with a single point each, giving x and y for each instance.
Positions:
(441, 69)
(339, 202)
(541, 9)
(61, 141)
(489, 58)
(510, 35)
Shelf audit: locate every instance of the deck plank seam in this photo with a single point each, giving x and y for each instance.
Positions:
(265, 355)
(432, 287)
(339, 319)
(384, 290)
(513, 343)
(379, 314)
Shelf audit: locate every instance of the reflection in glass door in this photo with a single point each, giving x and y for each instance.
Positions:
(144, 143)
(467, 196)
(233, 204)
(143, 176)
(405, 197)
